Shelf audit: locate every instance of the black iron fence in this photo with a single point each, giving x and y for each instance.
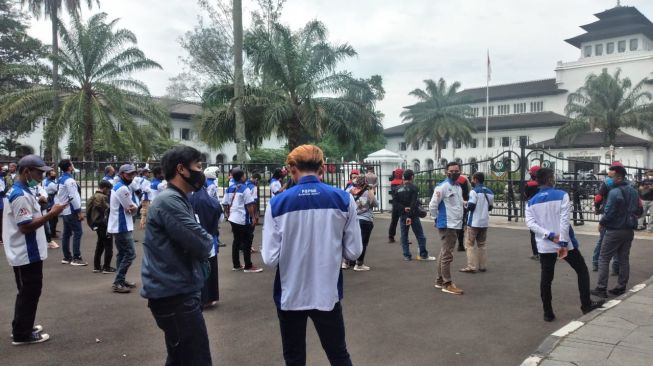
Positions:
(507, 174)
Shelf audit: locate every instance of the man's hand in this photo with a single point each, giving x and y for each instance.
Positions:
(409, 221)
(601, 227)
(556, 238)
(43, 199)
(132, 209)
(80, 216)
(562, 252)
(254, 221)
(58, 209)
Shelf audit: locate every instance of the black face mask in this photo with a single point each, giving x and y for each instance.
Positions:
(453, 176)
(196, 179)
(127, 181)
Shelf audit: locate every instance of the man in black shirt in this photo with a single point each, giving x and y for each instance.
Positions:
(407, 202)
(646, 194)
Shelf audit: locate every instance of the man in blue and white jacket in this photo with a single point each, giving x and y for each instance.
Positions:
(122, 208)
(481, 199)
(547, 215)
(447, 207)
(307, 231)
(68, 193)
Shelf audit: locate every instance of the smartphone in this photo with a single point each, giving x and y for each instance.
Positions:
(70, 200)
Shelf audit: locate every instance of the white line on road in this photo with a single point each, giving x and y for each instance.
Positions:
(572, 326)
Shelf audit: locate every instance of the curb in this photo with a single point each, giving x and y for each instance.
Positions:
(550, 342)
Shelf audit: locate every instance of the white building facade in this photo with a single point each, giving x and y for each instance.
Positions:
(530, 113)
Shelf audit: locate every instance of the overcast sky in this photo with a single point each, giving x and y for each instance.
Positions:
(404, 41)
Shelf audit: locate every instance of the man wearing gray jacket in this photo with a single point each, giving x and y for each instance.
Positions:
(175, 260)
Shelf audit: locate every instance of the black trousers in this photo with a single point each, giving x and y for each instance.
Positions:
(330, 327)
(576, 261)
(533, 244)
(53, 225)
(366, 232)
(104, 245)
(392, 231)
(181, 320)
(210, 291)
(29, 281)
(241, 242)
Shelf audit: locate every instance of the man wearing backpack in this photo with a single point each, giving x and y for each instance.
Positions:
(620, 216)
(97, 217)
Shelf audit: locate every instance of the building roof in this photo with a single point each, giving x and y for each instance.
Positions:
(524, 89)
(592, 139)
(497, 123)
(180, 109)
(616, 22)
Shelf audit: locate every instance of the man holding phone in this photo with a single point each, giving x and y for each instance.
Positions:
(122, 209)
(547, 215)
(68, 194)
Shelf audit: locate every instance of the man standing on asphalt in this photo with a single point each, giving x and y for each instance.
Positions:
(547, 215)
(175, 267)
(123, 206)
(26, 247)
(620, 217)
(646, 194)
(68, 194)
(308, 230)
(447, 207)
(395, 183)
(407, 200)
(481, 200)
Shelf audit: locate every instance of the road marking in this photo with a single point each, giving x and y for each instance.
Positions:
(572, 326)
(609, 304)
(638, 287)
(532, 361)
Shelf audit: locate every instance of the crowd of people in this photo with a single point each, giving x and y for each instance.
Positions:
(312, 231)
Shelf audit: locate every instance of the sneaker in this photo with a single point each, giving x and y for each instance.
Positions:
(617, 291)
(53, 245)
(36, 329)
(427, 258)
(254, 251)
(439, 284)
(408, 259)
(593, 305)
(253, 269)
(595, 267)
(35, 337)
(391, 239)
(467, 270)
(599, 292)
(108, 270)
(452, 289)
(78, 262)
(222, 245)
(239, 268)
(344, 265)
(361, 267)
(549, 317)
(120, 288)
(66, 261)
(482, 269)
(129, 284)
(97, 270)
(535, 257)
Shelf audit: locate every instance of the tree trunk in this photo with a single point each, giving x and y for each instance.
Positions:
(88, 126)
(241, 142)
(55, 75)
(294, 132)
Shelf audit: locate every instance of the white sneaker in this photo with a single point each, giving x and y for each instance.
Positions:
(53, 245)
(344, 265)
(361, 267)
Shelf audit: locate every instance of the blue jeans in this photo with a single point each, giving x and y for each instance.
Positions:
(181, 320)
(126, 254)
(71, 227)
(597, 253)
(419, 233)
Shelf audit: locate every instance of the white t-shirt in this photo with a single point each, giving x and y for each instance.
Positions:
(121, 221)
(21, 207)
(238, 196)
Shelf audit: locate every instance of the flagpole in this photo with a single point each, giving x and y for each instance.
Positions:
(487, 107)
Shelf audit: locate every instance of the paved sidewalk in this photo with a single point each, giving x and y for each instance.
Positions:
(621, 334)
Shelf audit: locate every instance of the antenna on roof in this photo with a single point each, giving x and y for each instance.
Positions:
(618, 3)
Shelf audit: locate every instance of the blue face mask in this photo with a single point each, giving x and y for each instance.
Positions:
(609, 182)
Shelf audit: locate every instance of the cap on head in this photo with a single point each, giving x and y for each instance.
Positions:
(355, 171)
(33, 161)
(617, 163)
(534, 169)
(399, 173)
(127, 169)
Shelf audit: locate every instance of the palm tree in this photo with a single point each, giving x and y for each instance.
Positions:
(98, 95)
(607, 103)
(297, 72)
(439, 116)
(239, 80)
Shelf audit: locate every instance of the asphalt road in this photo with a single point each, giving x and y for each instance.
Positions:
(393, 314)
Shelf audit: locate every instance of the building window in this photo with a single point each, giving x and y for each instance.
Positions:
(588, 51)
(444, 144)
(609, 48)
(505, 142)
(633, 44)
(474, 143)
(473, 112)
(429, 145)
(503, 109)
(184, 134)
(415, 146)
(537, 107)
(490, 142)
(598, 50)
(491, 111)
(519, 108)
(621, 46)
(402, 146)
(523, 141)
(458, 144)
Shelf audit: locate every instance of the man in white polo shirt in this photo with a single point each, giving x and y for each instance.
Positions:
(26, 247)
(122, 208)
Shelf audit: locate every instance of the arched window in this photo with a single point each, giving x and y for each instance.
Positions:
(220, 158)
(416, 165)
(429, 164)
(444, 162)
(204, 157)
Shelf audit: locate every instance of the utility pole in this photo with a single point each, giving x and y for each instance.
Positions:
(241, 142)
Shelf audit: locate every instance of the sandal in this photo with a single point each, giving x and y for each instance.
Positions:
(468, 270)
